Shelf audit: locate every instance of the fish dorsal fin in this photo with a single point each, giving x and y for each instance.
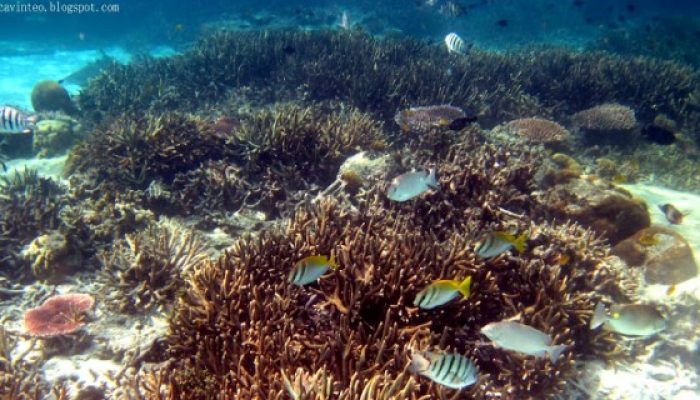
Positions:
(514, 318)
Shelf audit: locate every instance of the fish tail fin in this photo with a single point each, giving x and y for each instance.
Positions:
(555, 351)
(331, 261)
(519, 242)
(599, 316)
(432, 179)
(465, 286)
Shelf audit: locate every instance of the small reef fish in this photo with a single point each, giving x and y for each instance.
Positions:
(449, 369)
(441, 292)
(629, 319)
(310, 268)
(455, 44)
(14, 121)
(422, 119)
(521, 338)
(498, 242)
(673, 216)
(411, 184)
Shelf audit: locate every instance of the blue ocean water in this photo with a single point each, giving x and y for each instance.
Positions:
(64, 41)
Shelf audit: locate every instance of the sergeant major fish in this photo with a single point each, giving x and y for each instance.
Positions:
(310, 268)
(455, 44)
(441, 292)
(449, 369)
(14, 121)
(498, 242)
(521, 338)
(629, 319)
(411, 184)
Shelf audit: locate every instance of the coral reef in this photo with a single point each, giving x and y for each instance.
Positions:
(423, 119)
(606, 119)
(18, 379)
(146, 269)
(355, 330)
(58, 315)
(611, 212)
(538, 130)
(52, 256)
(383, 75)
(54, 136)
(51, 96)
(665, 255)
(30, 205)
(132, 151)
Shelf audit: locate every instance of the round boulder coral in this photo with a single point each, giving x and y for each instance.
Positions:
(51, 96)
(606, 118)
(538, 130)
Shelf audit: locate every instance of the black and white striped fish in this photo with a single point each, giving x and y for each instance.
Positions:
(455, 44)
(449, 369)
(14, 121)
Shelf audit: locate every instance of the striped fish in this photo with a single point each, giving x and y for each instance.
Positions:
(14, 121)
(449, 369)
(441, 292)
(496, 243)
(455, 44)
(310, 268)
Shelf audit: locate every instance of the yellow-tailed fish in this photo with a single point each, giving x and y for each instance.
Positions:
(521, 338)
(441, 292)
(310, 268)
(449, 369)
(629, 319)
(498, 242)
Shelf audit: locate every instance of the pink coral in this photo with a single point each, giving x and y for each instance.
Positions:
(59, 315)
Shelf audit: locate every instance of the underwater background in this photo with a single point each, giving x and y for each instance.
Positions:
(419, 199)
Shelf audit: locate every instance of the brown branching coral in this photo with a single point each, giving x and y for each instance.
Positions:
(242, 330)
(468, 198)
(29, 205)
(384, 75)
(146, 269)
(131, 151)
(311, 140)
(18, 380)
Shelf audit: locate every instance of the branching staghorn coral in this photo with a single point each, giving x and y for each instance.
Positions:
(384, 75)
(311, 140)
(146, 269)
(29, 205)
(241, 328)
(18, 380)
(131, 151)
